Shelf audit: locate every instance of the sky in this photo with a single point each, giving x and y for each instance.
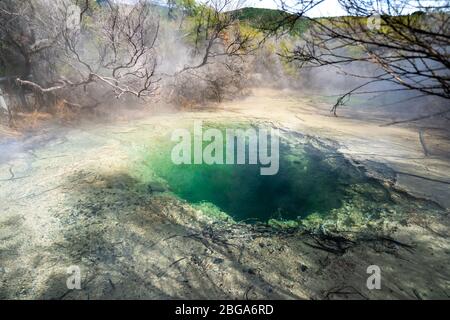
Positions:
(329, 8)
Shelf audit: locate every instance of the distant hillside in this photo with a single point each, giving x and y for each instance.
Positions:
(256, 14)
(269, 18)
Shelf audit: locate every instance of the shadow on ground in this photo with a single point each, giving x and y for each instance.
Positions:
(130, 242)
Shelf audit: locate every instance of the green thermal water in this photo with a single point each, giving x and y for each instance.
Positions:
(308, 182)
(303, 185)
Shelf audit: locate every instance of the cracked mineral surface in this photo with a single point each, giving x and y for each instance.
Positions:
(76, 196)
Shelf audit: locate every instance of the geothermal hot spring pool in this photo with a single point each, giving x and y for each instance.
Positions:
(312, 180)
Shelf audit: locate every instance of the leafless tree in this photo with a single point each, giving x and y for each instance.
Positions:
(407, 41)
(27, 34)
(114, 48)
(123, 56)
(217, 34)
(218, 56)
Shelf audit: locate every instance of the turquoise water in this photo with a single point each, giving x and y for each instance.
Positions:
(308, 182)
(303, 185)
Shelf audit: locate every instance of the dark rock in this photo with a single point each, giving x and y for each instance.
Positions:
(250, 271)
